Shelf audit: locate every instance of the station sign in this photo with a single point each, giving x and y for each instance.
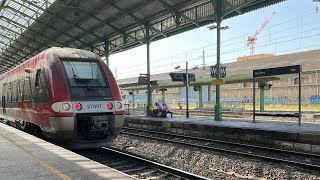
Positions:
(277, 71)
(182, 76)
(217, 82)
(163, 89)
(213, 71)
(143, 80)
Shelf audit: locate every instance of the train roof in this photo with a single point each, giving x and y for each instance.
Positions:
(65, 52)
(60, 52)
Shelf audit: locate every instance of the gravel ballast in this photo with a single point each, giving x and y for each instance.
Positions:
(208, 163)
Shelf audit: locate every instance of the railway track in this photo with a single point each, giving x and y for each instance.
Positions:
(302, 160)
(137, 167)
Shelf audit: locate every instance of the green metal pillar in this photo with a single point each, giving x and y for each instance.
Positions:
(149, 113)
(261, 87)
(200, 97)
(133, 100)
(163, 96)
(261, 99)
(218, 107)
(106, 52)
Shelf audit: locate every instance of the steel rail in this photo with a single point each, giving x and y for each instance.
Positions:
(157, 165)
(250, 153)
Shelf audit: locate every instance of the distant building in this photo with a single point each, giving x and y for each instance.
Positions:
(282, 91)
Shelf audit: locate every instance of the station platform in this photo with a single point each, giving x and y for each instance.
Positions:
(23, 156)
(272, 134)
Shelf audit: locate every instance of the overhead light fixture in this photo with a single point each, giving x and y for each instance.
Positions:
(177, 67)
(215, 27)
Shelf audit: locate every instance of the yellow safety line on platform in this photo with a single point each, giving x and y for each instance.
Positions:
(39, 160)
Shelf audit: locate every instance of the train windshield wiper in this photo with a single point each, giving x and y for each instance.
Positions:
(82, 81)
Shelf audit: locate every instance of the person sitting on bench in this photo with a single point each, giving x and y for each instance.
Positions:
(167, 108)
(155, 110)
(160, 108)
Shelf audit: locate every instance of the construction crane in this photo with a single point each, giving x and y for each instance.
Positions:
(252, 39)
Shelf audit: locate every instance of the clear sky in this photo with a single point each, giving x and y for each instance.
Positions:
(294, 28)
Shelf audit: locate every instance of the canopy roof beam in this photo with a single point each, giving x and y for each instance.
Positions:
(177, 14)
(69, 22)
(49, 26)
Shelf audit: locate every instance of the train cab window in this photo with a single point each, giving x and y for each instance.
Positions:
(41, 86)
(37, 78)
(86, 78)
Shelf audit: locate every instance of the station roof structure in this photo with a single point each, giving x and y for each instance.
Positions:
(28, 27)
(237, 72)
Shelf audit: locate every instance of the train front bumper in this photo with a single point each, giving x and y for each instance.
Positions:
(63, 130)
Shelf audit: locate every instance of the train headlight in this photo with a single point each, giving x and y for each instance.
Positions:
(77, 106)
(109, 105)
(65, 106)
(119, 105)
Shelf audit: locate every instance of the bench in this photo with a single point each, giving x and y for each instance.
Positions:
(279, 114)
(156, 113)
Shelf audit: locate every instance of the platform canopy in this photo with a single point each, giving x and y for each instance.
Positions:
(27, 27)
(241, 78)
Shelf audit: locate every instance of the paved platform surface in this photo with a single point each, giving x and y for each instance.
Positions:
(23, 156)
(275, 134)
(309, 128)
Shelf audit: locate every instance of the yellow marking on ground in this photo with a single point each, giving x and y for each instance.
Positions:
(39, 160)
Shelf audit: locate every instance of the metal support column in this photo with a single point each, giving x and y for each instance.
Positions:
(106, 52)
(163, 96)
(209, 93)
(261, 99)
(200, 97)
(149, 113)
(187, 91)
(299, 98)
(133, 101)
(254, 100)
(262, 85)
(218, 107)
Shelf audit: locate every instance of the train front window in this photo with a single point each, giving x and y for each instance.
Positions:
(86, 79)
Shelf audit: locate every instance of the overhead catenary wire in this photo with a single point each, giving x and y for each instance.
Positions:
(288, 31)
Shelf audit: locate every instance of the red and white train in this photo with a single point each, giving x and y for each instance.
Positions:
(67, 95)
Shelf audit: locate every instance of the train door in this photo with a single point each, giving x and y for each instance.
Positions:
(41, 102)
(4, 99)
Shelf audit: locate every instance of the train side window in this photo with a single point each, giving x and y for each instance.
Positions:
(9, 92)
(4, 93)
(21, 89)
(19, 95)
(26, 94)
(14, 92)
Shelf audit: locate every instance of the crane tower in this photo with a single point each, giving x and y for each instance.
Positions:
(252, 39)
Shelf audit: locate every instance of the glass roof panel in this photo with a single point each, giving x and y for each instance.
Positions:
(16, 16)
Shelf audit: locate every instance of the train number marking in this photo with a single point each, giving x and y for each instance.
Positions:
(94, 106)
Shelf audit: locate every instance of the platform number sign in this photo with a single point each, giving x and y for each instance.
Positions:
(213, 71)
